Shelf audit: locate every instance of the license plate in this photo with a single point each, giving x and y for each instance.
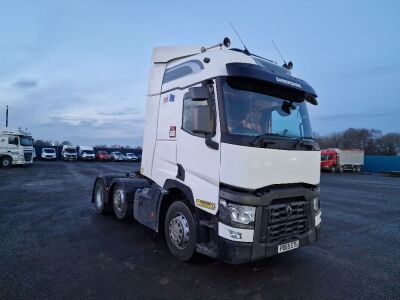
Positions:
(288, 246)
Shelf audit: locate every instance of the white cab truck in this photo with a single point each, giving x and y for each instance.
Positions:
(229, 167)
(69, 153)
(86, 153)
(16, 147)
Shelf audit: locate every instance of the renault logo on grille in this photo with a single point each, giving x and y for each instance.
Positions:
(289, 211)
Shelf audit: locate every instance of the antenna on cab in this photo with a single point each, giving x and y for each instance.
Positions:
(289, 65)
(244, 46)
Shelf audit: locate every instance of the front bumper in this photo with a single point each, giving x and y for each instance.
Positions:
(87, 158)
(238, 253)
(240, 245)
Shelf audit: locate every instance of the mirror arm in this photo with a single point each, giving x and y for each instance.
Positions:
(210, 143)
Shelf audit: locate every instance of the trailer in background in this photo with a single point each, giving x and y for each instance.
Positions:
(337, 160)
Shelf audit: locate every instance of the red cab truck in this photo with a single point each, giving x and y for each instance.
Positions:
(337, 160)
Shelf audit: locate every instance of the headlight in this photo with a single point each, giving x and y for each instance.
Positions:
(316, 204)
(239, 213)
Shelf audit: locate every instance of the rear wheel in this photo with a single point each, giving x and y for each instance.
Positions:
(341, 170)
(180, 231)
(120, 202)
(354, 169)
(358, 169)
(6, 162)
(99, 195)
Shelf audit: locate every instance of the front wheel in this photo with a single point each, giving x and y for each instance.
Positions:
(180, 231)
(333, 169)
(6, 162)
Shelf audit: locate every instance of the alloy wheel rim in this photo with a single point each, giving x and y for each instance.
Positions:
(179, 232)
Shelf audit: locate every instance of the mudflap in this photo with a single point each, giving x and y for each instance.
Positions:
(146, 205)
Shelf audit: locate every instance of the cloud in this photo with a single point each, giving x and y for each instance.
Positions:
(124, 112)
(25, 84)
(360, 115)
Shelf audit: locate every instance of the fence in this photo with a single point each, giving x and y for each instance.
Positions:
(378, 163)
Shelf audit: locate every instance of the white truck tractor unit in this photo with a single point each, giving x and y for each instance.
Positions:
(69, 153)
(229, 167)
(16, 147)
(86, 153)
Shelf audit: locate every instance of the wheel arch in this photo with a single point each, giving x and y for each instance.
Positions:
(175, 191)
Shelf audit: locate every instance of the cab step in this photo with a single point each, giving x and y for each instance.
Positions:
(207, 249)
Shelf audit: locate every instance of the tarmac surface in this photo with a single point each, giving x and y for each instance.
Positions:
(54, 245)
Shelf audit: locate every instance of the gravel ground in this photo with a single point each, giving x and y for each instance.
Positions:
(55, 246)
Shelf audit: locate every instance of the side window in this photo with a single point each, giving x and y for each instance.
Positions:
(13, 140)
(188, 104)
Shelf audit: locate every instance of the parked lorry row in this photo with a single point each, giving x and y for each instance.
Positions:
(229, 169)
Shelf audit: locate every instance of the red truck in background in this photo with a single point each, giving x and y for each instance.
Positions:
(337, 160)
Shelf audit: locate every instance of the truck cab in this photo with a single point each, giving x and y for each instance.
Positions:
(229, 166)
(16, 147)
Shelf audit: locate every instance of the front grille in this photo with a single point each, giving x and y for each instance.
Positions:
(279, 231)
(284, 212)
(284, 218)
(28, 155)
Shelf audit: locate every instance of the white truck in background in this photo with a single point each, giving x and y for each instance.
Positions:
(69, 153)
(229, 166)
(16, 147)
(86, 153)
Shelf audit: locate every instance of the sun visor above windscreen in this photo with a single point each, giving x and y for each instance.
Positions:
(263, 74)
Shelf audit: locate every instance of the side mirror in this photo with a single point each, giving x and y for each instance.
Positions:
(198, 93)
(202, 120)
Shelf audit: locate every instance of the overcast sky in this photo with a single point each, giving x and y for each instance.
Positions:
(77, 70)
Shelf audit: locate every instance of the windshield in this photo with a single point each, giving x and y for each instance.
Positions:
(48, 150)
(87, 151)
(324, 157)
(25, 141)
(250, 110)
(70, 151)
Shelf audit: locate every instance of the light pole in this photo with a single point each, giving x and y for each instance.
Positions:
(7, 116)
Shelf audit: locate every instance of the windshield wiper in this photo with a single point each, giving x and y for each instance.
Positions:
(308, 143)
(263, 136)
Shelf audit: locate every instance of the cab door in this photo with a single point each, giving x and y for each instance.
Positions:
(198, 154)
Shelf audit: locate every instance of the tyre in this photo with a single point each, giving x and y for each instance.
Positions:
(341, 170)
(99, 194)
(333, 169)
(6, 162)
(358, 169)
(354, 169)
(180, 231)
(122, 207)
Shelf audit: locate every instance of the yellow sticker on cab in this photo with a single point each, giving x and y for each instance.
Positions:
(205, 204)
